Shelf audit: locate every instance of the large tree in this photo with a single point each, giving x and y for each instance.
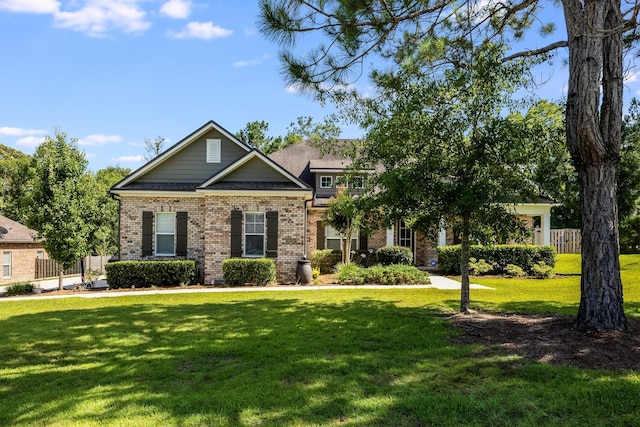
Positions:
(465, 157)
(355, 30)
(104, 237)
(61, 199)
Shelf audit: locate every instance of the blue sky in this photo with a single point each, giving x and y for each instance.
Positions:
(113, 73)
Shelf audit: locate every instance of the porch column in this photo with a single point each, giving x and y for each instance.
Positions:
(390, 234)
(442, 237)
(546, 229)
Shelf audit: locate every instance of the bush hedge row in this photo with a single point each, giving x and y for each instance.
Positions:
(327, 259)
(500, 257)
(145, 274)
(397, 274)
(241, 271)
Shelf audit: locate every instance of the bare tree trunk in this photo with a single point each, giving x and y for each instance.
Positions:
(594, 124)
(465, 299)
(60, 279)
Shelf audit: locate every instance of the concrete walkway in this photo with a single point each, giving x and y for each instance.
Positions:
(437, 282)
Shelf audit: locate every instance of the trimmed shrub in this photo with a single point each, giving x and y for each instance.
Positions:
(397, 274)
(351, 274)
(240, 271)
(325, 260)
(20, 288)
(479, 267)
(524, 256)
(389, 255)
(146, 274)
(542, 271)
(514, 271)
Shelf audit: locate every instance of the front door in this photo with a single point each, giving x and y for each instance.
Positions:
(405, 236)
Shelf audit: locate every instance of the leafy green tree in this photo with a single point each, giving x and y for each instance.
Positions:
(255, 134)
(61, 199)
(395, 30)
(463, 162)
(345, 215)
(104, 238)
(14, 175)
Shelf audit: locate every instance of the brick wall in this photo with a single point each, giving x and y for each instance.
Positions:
(209, 228)
(23, 261)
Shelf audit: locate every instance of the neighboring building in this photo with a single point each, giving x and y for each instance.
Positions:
(211, 197)
(19, 251)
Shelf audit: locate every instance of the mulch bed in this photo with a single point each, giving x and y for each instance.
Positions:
(550, 339)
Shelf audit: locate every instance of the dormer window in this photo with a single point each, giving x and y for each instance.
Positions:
(326, 182)
(213, 151)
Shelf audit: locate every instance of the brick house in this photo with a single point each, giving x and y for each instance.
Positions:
(326, 172)
(211, 197)
(19, 251)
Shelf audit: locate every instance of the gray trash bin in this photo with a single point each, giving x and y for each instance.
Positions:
(303, 272)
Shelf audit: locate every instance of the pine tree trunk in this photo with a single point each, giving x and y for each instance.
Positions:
(465, 299)
(594, 124)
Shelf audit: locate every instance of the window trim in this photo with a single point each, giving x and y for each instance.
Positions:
(157, 233)
(245, 234)
(330, 181)
(355, 237)
(40, 254)
(213, 150)
(10, 264)
(357, 178)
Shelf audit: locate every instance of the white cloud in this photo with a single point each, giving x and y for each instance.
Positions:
(251, 62)
(30, 6)
(9, 131)
(179, 9)
(30, 141)
(99, 139)
(96, 17)
(201, 30)
(129, 159)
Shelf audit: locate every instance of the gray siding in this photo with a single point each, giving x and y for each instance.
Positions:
(189, 164)
(327, 192)
(255, 170)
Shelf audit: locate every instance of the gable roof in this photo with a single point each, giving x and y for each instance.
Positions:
(177, 147)
(234, 175)
(287, 179)
(16, 232)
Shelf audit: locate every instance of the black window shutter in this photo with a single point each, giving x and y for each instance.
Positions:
(320, 236)
(236, 233)
(181, 233)
(272, 234)
(147, 233)
(364, 241)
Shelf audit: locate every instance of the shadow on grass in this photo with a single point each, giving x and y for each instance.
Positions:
(278, 362)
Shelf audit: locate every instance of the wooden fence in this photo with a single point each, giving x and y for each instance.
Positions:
(49, 268)
(566, 241)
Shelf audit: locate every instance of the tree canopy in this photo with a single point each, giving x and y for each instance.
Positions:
(399, 32)
(62, 199)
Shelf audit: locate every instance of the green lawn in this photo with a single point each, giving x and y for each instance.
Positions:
(332, 357)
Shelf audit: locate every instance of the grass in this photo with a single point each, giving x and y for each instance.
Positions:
(351, 357)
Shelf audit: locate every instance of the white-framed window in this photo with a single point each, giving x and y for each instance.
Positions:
(213, 150)
(333, 238)
(326, 182)
(166, 233)
(405, 235)
(356, 182)
(6, 264)
(254, 226)
(40, 254)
